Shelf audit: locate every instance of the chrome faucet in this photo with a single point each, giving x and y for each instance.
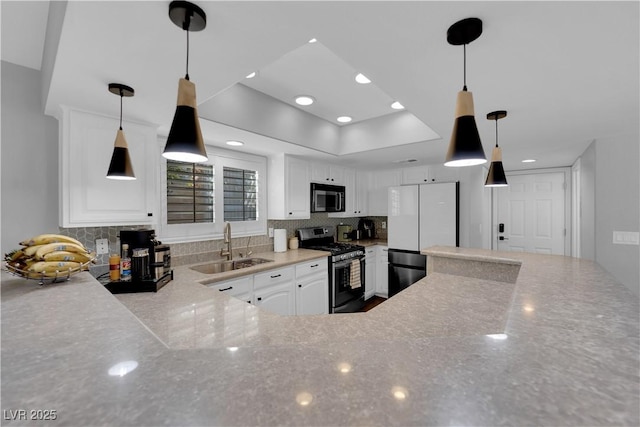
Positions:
(227, 239)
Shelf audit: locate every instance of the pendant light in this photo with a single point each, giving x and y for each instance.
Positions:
(465, 147)
(185, 143)
(120, 166)
(496, 176)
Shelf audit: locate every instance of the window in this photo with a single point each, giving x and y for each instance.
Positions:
(240, 194)
(190, 193)
(197, 200)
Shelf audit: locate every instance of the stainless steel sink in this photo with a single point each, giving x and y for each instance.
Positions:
(224, 265)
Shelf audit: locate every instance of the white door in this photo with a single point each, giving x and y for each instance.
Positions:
(532, 211)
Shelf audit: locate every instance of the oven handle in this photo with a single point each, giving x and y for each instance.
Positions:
(347, 262)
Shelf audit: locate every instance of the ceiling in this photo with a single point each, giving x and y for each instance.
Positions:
(566, 72)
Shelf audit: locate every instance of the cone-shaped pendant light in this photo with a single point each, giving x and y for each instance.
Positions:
(496, 176)
(185, 143)
(465, 147)
(120, 166)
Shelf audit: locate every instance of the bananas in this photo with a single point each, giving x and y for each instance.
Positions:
(68, 256)
(44, 239)
(49, 255)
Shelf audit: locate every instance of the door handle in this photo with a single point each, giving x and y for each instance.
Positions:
(502, 238)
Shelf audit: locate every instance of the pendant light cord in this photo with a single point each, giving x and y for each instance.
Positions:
(187, 73)
(496, 131)
(464, 67)
(121, 95)
(185, 26)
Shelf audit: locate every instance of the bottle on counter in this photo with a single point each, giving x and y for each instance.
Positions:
(114, 267)
(125, 264)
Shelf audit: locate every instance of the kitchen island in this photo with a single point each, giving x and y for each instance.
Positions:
(560, 346)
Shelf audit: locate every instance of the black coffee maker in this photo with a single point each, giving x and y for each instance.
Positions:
(367, 228)
(150, 262)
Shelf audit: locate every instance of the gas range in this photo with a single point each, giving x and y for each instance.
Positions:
(321, 238)
(340, 251)
(346, 268)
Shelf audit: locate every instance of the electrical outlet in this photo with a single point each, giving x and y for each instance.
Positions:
(102, 246)
(384, 224)
(270, 231)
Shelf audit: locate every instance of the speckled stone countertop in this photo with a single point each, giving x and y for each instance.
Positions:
(558, 347)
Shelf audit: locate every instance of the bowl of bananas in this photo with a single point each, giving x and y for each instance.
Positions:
(49, 258)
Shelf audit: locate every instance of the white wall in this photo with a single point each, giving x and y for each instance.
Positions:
(610, 183)
(29, 159)
(588, 204)
(617, 206)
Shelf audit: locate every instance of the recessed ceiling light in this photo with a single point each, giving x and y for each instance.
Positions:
(313, 40)
(252, 75)
(304, 100)
(362, 79)
(344, 119)
(235, 143)
(397, 106)
(528, 160)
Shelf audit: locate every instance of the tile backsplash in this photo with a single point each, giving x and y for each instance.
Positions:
(186, 253)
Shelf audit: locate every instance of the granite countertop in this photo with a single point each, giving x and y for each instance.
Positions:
(558, 347)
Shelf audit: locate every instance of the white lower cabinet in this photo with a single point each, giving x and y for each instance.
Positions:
(312, 296)
(382, 271)
(278, 299)
(299, 289)
(312, 287)
(241, 288)
(370, 272)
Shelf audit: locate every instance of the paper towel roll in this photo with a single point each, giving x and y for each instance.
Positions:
(279, 240)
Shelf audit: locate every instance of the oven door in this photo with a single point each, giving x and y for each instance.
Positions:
(347, 286)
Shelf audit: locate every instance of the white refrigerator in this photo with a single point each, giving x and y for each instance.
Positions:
(419, 216)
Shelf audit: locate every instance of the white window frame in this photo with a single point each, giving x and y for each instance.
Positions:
(195, 232)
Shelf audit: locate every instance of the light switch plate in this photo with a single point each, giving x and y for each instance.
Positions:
(626, 238)
(270, 231)
(102, 246)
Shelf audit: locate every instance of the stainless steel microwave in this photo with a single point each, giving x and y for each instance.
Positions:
(327, 198)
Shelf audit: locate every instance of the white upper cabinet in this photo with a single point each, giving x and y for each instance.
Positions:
(288, 193)
(87, 197)
(415, 175)
(429, 173)
(328, 174)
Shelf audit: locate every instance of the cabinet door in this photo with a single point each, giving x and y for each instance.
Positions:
(370, 272)
(415, 175)
(362, 193)
(279, 299)
(320, 173)
(88, 198)
(442, 173)
(350, 196)
(312, 295)
(337, 175)
(382, 272)
(298, 199)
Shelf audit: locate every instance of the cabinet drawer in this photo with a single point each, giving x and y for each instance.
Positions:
(235, 287)
(273, 277)
(312, 267)
(370, 252)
